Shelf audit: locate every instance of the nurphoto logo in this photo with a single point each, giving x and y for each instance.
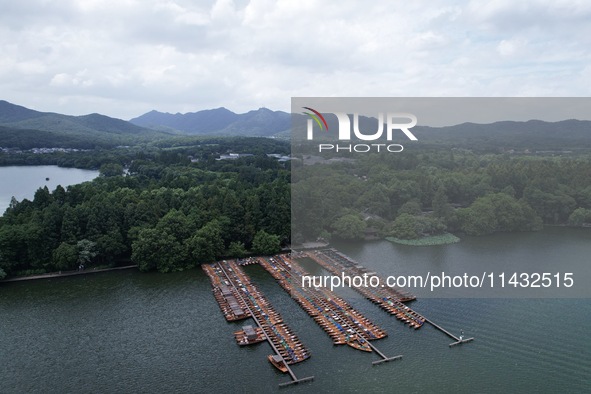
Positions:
(391, 121)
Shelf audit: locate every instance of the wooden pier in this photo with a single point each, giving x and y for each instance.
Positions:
(239, 299)
(384, 357)
(335, 316)
(458, 340)
(388, 298)
(285, 344)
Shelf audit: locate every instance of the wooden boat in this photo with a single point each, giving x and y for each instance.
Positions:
(249, 335)
(362, 344)
(277, 362)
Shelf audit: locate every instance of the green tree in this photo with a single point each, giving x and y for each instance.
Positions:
(441, 208)
(111, 169)
(579, 217)
(553, 206)
(410, 227)
(65, 256)
(478, 219)
(265, 243)
(237, 249)
(156, 250)
(110, 246)
(412, 207)
(405, 227)
(2, 274)
(86, 251)
(70, 230)
(350, 226)
(207, 243)
(498, 212)
(325, 235)
(42, 197)
(175, 223)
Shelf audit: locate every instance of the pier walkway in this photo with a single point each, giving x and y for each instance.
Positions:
(250, 300)
(389, 299)
(335, 316)
(458, 340)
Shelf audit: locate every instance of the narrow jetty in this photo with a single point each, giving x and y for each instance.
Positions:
(389, 299)
(227, 296)
(334, 315)
(458, 340)
(239, 298)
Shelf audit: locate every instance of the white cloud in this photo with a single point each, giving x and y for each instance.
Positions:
(123, 58)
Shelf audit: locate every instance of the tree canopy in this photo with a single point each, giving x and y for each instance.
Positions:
(166, 214)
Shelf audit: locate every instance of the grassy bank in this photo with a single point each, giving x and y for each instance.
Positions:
(443, 239)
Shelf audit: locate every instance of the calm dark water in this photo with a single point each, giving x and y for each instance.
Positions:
(22, 181)
(132, 332)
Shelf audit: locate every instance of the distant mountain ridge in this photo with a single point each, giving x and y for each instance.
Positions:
(15, 113)
(220, 121)
(21, 126)
(532, 134)
(569, 134)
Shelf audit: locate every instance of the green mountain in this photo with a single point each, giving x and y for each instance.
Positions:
(532, 135)
(21, 127)
(220, 121)
(568, 134)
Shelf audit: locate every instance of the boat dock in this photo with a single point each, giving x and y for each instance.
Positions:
(231, 282)
(336, 317)
(227, 296)
(238, 299)
(388, 298)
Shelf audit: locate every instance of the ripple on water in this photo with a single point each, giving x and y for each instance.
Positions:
(133, 332)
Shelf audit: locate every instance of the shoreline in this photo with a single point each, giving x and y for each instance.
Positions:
(65, 274)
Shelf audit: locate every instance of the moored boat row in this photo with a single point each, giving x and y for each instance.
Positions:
(388, 298)
(228, 300)
(335, 316)
(231, 283)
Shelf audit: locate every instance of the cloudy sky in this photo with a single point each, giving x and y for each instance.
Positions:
(123, 58)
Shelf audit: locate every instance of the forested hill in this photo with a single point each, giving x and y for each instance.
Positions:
(502, 136)
(25, 128)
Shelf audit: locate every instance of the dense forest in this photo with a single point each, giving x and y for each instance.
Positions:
(170, 205)
(416, 194)
(175, 208)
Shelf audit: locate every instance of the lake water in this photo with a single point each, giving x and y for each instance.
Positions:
(22, 181)
(133, 332)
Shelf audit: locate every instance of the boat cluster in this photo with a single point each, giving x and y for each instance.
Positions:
(230, 283)
(388, 298)
(338, 319)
